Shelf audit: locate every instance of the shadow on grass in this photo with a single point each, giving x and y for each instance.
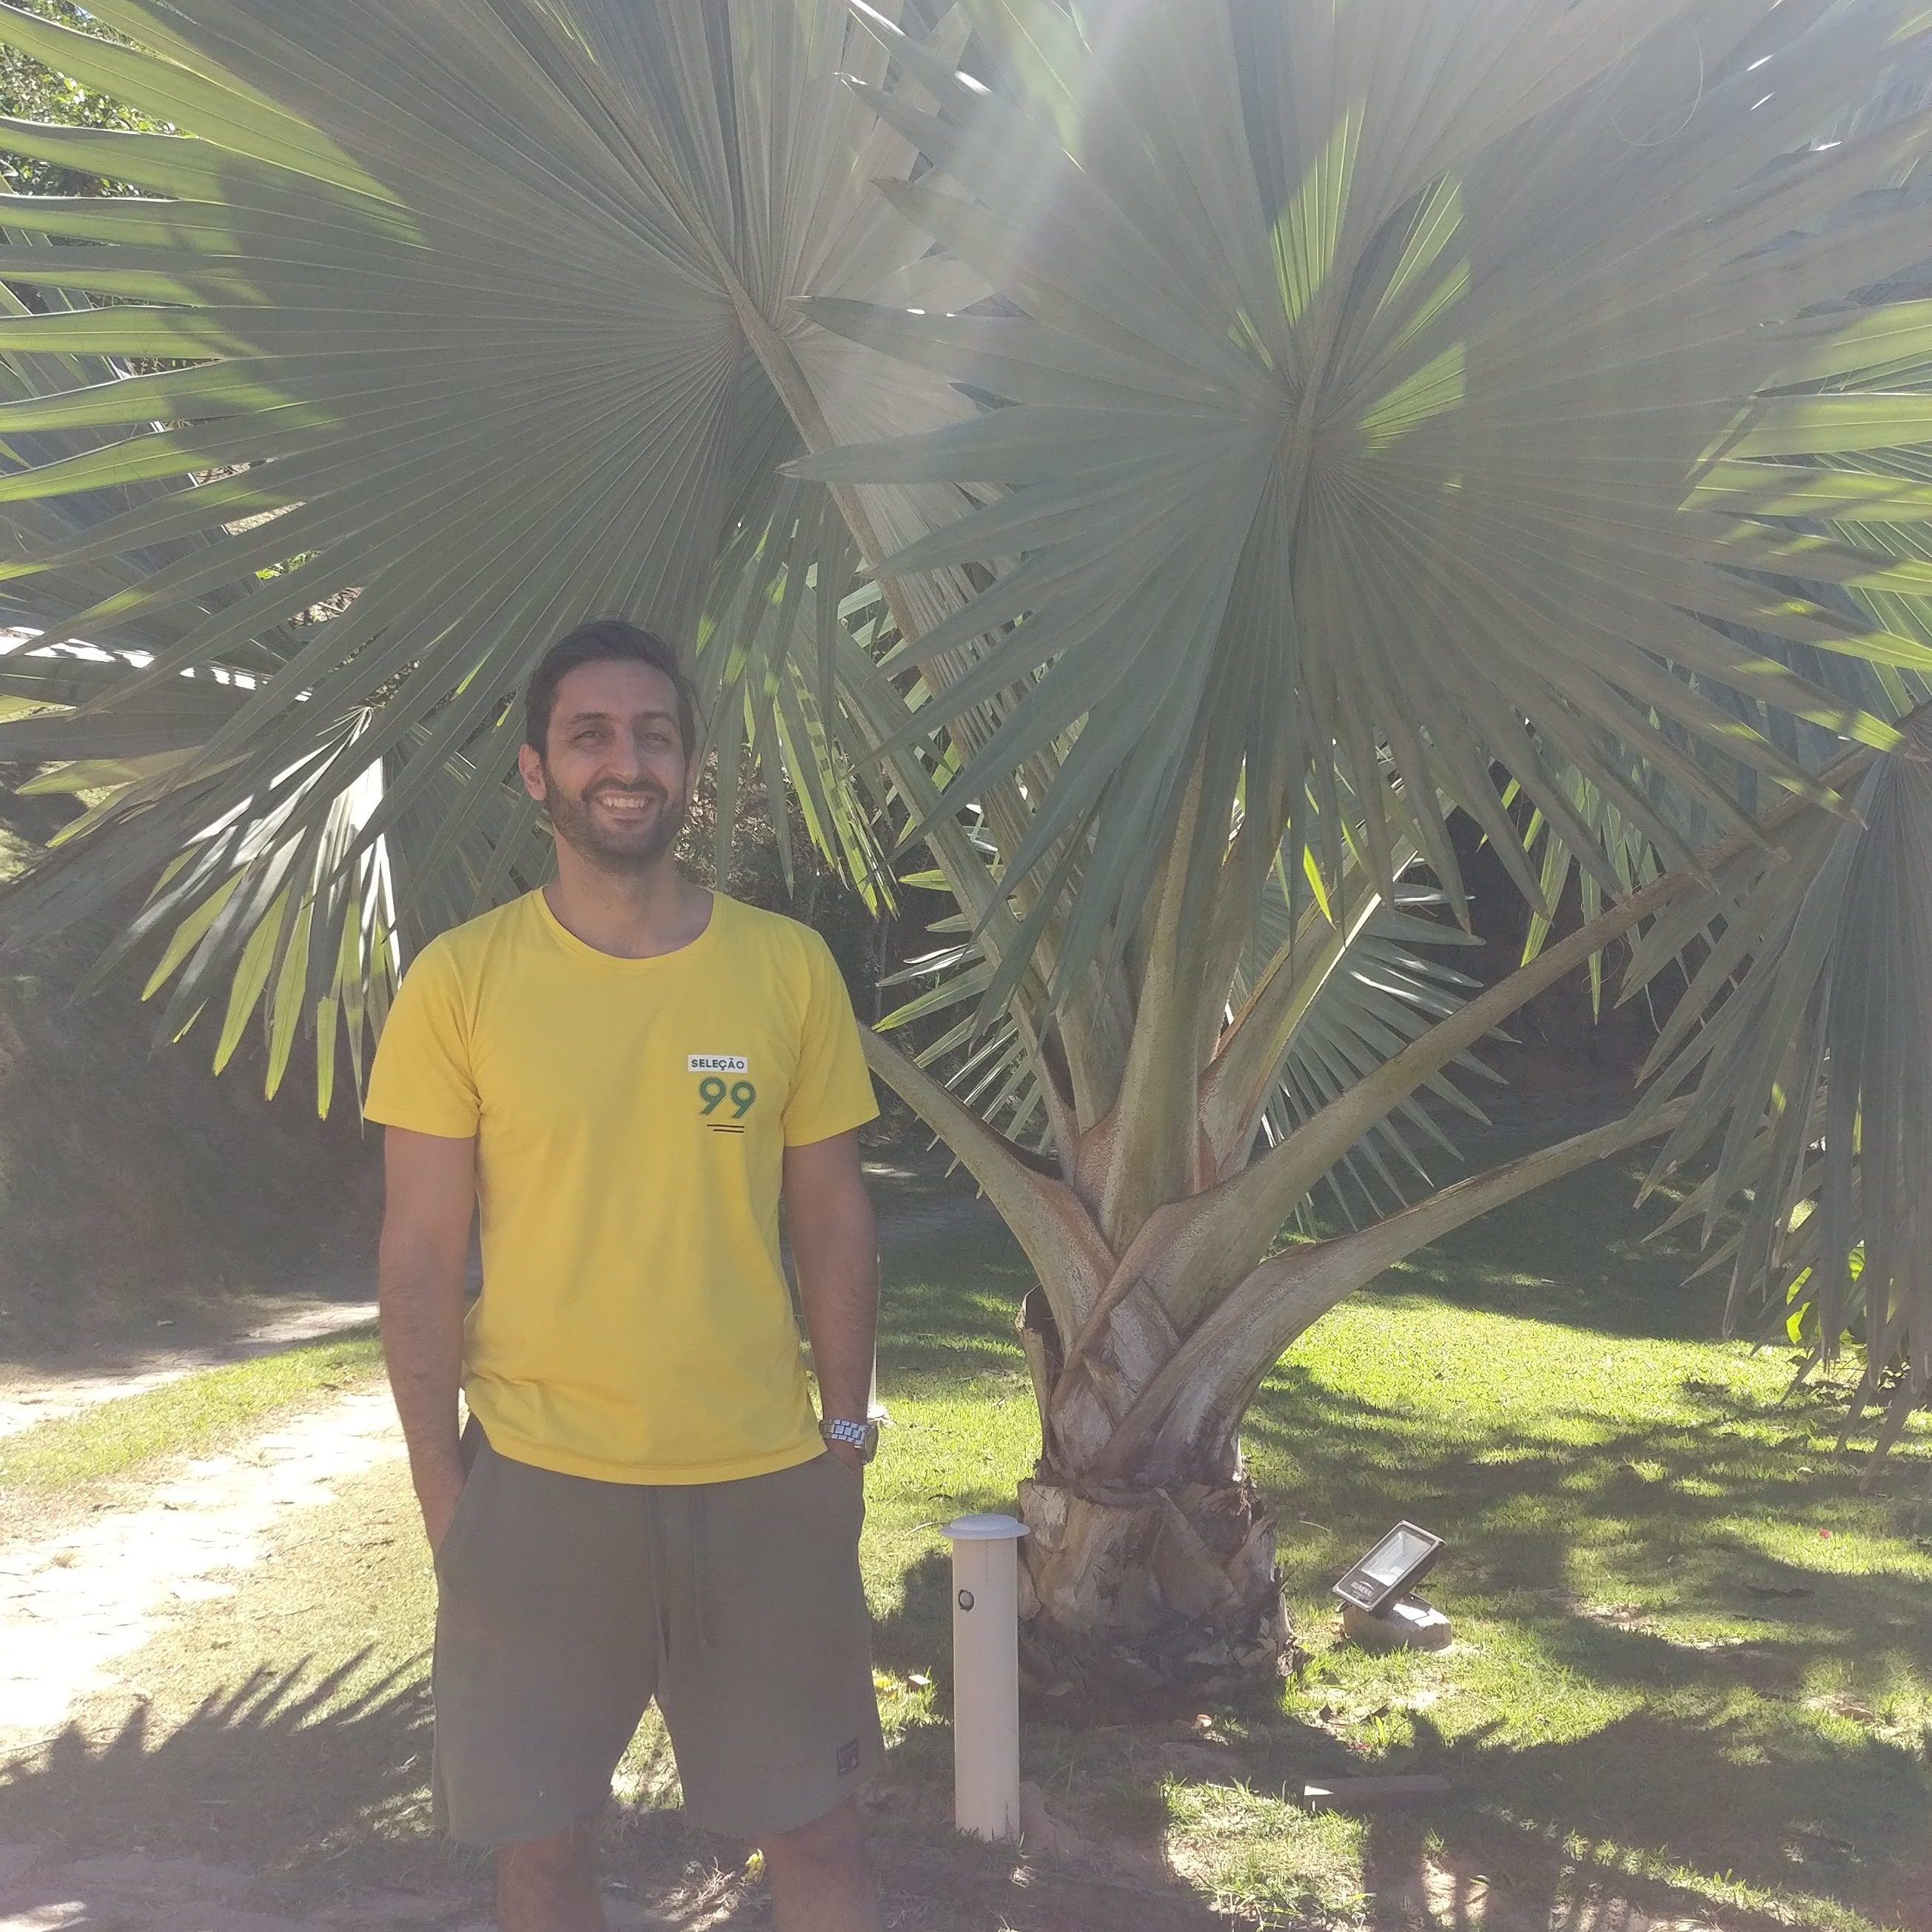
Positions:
(1733, 1771)
(917, 1637)
(1678, 1499)
(292, 1789)
(1745, 1708)
(1580, 1251)
(948, 1295)
(1696, 1765)
(1717, 1778)
(290, 1771)
(1644, 1810)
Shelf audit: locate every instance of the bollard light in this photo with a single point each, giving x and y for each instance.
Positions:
(986, 1675)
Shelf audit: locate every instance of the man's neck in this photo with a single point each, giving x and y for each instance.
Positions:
(631, 916)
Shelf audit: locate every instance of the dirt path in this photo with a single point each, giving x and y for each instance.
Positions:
(926, 1889)
(74, 1604)
(28, 1399)
(41, 1892)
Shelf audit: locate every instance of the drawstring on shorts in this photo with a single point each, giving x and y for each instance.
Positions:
(654, 1549)
(658, 1534)
(701, 1568)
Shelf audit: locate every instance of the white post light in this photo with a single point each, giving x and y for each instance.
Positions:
(986, 1675)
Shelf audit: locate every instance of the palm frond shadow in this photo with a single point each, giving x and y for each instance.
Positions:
(1726, 1759)
(1552, 1835)
(1511, 1511)
(289, 1771)
(1533, 1835)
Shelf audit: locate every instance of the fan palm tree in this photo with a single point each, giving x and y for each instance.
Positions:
(1162, 461)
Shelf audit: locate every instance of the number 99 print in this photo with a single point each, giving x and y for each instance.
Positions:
(712, 1093)
(717, 1091)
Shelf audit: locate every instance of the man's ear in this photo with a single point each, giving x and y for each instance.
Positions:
(530, 767)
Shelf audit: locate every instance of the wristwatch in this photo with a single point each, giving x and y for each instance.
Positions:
(863, 1436)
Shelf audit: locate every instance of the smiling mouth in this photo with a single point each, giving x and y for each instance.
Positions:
(626, 804)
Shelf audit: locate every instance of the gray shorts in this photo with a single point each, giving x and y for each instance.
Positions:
(566, 1604)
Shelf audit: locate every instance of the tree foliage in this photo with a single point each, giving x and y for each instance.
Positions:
(31, 90)
(1159, 462)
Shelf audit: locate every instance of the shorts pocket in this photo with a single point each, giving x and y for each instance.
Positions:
(851, 1488)
(467, 1499)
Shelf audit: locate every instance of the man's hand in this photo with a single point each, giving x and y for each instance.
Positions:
(431, 1196)
(438, 1493)
(850, 1457)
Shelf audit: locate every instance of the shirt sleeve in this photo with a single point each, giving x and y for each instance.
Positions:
(421, 1079)
(832, 1091)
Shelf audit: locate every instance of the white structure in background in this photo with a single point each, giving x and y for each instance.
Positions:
(986, 1675)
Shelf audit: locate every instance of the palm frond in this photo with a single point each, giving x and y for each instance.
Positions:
(435, 334)
(1357, 406)
(1389, 987)
(1383, 987)
(1274, 402)
(1804, 1042)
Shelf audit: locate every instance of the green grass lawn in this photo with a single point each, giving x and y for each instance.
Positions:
(1693, 1663)
(71, 1461)
(1693, 1667)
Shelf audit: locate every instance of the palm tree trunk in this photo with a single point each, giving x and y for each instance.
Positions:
(1159, 1311)
(1150, 1561)
(1142, 1588)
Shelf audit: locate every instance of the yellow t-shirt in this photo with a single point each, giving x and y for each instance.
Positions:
(630, 1117)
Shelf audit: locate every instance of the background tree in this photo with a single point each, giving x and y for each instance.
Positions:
(1164, 461)
(31, 90)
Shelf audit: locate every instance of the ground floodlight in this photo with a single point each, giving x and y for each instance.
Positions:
(1382, 1577)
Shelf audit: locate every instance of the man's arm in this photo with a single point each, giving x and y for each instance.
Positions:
(835, 1248)
(431, 1197)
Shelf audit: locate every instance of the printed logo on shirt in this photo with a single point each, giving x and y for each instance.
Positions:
(723, 1102)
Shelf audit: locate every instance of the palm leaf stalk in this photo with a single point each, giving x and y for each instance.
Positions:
(1162, 462)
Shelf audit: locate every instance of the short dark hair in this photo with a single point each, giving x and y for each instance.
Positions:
(604, 640)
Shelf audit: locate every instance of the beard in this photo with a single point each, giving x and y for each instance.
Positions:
(615, 848)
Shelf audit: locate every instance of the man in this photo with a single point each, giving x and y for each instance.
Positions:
(625, 1069)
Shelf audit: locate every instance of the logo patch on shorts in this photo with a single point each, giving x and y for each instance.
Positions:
(848, 1758)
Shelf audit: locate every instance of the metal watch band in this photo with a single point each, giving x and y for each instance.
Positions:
(863, 1436)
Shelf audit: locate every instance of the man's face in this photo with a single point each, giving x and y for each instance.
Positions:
(615, 772)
